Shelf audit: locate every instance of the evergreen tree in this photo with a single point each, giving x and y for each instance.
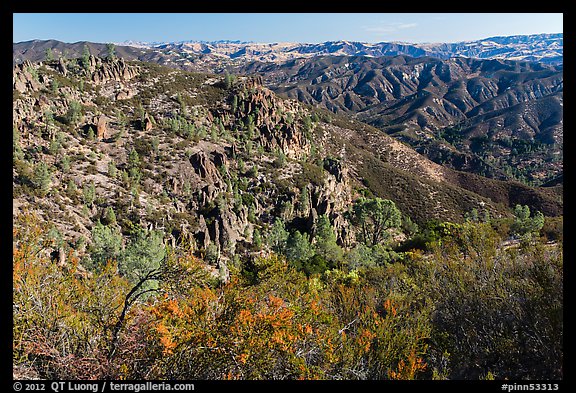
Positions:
(112, 169)
(257, 239)
(41, 178)
(298, 247)
(90, 135)
(278, 236)
(86, 58)
(524, 225)
(409, 227)
(227, 80)
(89, 193)
(111, 50)
(374, 217)
(49, 56)
(106, 245)
(325, 240)
(74, 113)
(65, 164)
(133, 159)
(109, 217)
(304, 201)
(143, 254)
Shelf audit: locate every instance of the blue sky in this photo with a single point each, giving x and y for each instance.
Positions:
(280, 27)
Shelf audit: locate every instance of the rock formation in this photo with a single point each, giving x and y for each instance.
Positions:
(105, 70)
(101, 127)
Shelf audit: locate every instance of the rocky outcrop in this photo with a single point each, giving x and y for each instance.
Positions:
(105, 70)
(62, 66)
(125, 94)
(101, 127)
(275, 119)
(332, 198)
(204, 166)
(24, 79)
(148, 123)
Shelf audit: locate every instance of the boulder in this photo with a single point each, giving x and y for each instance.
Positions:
(148, 124)
(102, 127)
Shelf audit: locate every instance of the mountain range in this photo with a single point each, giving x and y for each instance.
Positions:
(544, 48)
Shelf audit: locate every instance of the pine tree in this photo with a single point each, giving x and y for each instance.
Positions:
(49, 55)
(89, 193)
(227, 80)
(111, 50)
(112, 169)
(325, 240)
(86, 58)
(374, 217)
(106, 245)
(90, 135)
(257, 239)
(41, 178)
(143, 254)
(277, 236)
(304, 201)
(109, 217)
(298, 247)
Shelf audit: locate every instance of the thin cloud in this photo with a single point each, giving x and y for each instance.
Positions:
(389, 27)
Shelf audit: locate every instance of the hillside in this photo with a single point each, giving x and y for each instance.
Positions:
(501, 119)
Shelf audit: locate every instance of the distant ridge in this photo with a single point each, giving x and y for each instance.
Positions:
(544, 48)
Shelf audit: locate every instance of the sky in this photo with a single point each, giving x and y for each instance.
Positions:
(280, 27)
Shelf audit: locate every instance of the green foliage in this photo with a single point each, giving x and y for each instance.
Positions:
(86, 58)
(409, 227)
(48, 55)
(112, 170)
(257, 239)
(54, 85)
(110, 50)
(41, 178)
(524, 225)
(90, 135)
(143, 254)
(374, 217)
(18, 153)
(325, 241)
(106, 245)
(470, 309)
(89, 193)
(74, 113)
(303, 201)
(109, 217)
(227, 80)
(298, 248)
(496, 310)
(212, 254)
(432, 233)
(280, 160)
(277, 236)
